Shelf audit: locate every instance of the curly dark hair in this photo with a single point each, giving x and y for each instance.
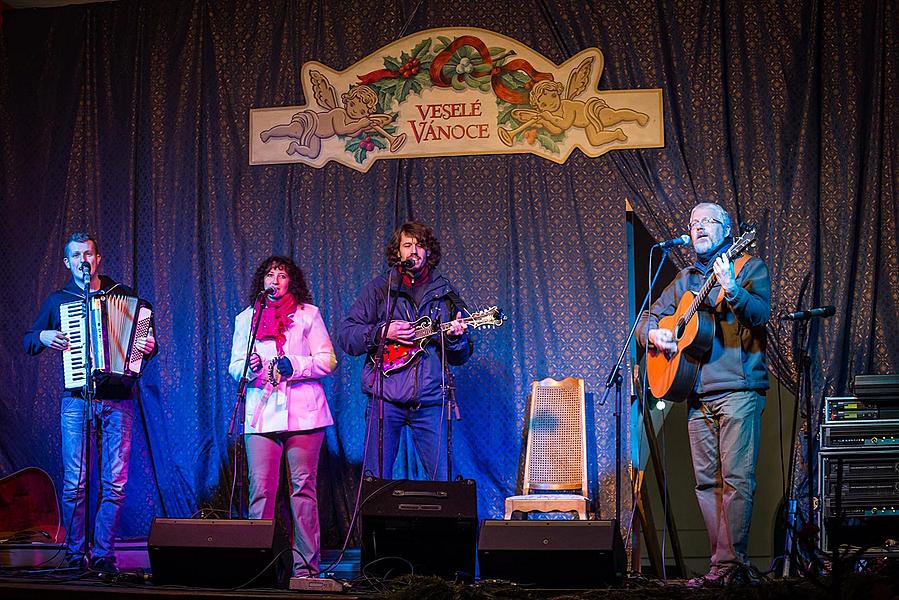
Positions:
(297, 288)
(422, 233)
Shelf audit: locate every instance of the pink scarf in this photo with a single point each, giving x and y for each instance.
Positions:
(275, 319)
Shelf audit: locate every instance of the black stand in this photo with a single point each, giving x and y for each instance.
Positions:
(238, 415)
(392, 297)
(452, 408)
(615, 379)
(805, 391)
(87, 394)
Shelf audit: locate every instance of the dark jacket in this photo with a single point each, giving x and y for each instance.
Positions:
(736, 360)
(359, 333)
(48, 318)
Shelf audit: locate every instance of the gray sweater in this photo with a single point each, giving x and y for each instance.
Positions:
(736, 360)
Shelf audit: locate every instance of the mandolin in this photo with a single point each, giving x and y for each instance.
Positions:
(398, 356)
(672, 377)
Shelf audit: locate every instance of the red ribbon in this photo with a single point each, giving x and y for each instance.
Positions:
(499, 88)
(377, 76)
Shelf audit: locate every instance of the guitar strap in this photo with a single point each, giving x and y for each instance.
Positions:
(458, 304)
(738, 266)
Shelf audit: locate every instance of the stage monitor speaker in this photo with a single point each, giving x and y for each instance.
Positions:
(552, 554)
(425, 527)
(217, 553)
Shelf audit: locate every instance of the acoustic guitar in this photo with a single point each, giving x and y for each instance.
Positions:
(398, 356)
(29, 511)
(672, 377)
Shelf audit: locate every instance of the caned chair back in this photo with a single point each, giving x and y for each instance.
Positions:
(556, 455)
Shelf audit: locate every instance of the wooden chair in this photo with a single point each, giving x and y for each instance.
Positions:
(556, 454)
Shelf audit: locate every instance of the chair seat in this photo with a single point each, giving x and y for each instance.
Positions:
(547, 503)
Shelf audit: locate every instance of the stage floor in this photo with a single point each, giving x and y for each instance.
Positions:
(879, 579)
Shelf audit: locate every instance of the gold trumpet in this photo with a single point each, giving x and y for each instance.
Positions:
(507, 136)
(396, 141)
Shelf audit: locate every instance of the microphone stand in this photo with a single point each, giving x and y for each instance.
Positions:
(238, 415)
(615, 379)
(805, 391)
(379, 362)
(449, 401)
(87, 394)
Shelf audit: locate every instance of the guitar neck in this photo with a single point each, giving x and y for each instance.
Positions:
(707, 287)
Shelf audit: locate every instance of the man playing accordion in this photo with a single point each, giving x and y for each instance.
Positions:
(111, 414)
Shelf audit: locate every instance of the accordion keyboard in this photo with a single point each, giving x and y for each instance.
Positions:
(73, 358)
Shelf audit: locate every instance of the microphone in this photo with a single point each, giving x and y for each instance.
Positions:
(270, 290)
(85, 267)
(407, 264)
(802, 315)
(683, 240)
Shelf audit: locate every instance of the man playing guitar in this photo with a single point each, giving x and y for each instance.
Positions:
(727, 394)
(412, 393)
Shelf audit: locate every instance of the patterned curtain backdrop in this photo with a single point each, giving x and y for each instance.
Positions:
(130, 119)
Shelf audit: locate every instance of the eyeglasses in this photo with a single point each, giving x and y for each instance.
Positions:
(705, 222)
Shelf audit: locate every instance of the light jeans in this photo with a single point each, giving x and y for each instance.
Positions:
(112, 420)
(301, 448)
(427, 426)
(724, 443)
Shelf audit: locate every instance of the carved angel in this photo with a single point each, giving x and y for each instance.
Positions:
(308, 128)
(556, 114)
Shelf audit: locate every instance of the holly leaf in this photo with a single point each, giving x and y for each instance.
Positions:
(392, 63)
(404, 58)
(423, 78)
(384, 101)
(353, 144)
(360, 155)
(509, 81)
(505, 114)
(376, 140)
(403, 92)
(521, 76)
(467, 52)
(422, 48)
(496, 50)
(547, 142)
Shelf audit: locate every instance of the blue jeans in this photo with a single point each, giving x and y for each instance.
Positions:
(112, 420)
(724, 443)
(301, 448)
(427, 426)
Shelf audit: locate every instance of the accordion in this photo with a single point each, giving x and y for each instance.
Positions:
(116, 322)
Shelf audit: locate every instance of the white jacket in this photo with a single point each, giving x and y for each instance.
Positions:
(296, 403)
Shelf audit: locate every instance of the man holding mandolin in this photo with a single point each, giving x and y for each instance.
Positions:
(706, 342)
(409, 378)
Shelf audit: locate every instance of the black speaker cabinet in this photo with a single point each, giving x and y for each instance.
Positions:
(552, 554)
(430, 527)
(214, 552)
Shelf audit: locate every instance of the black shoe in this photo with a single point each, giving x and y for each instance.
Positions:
(75, 562)
(104, 565)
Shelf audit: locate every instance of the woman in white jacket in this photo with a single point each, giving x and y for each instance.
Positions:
(286, 409)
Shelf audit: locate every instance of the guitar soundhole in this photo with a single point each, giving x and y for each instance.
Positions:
(679, 329)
